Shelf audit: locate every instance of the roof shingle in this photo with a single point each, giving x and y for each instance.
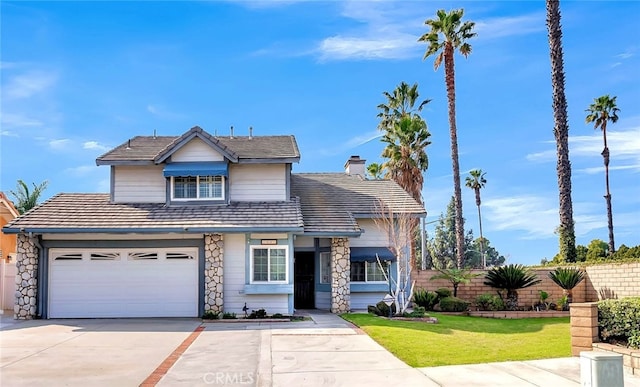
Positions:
(141, 149)
(94, 213)
(331, 201)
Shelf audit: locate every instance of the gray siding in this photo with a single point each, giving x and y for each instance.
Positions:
(139, 184)
(257, 183)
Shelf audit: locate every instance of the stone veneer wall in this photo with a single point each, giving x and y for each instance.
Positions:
(26, 279)
(340, 275)
(526, 297)
(213, 272)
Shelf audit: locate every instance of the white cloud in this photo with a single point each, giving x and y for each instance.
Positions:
(161, 112)
(623, 145)
(353, 142)
(60, 144)
(82, 170)
(18, 120)
(29, 84)
(95, 145)
(535, 215)
(8, 133)
(339, 47)
(510, 26)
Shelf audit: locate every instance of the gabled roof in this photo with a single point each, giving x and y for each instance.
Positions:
(93, 213)
(7, 209)
(241, 149)
(332, 202)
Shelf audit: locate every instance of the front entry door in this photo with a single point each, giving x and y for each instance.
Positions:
(303, 281)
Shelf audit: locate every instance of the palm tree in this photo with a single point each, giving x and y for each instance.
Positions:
(454, 34)
(567, 278)
(375, 170)
(511, 278)
(406, 154)
(604, 109)
(476, 182)
(26, 200)
(566, 229)
(400, 102)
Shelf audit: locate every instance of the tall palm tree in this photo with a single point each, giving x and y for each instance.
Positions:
(406, 154)
(476, 182)
(447, 34)
(400, 102)
(566, 229)
(604, 109)
(26, 200)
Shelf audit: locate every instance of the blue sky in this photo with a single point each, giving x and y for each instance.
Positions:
(78, 78)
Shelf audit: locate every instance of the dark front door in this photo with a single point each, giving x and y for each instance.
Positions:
(303, 281)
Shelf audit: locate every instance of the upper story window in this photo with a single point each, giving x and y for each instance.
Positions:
(197, 180)
(198, 187)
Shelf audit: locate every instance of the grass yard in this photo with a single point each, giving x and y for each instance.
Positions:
(468, 340)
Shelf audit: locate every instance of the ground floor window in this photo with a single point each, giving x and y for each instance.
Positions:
(325, 268)
(269, 264)
(366, 272)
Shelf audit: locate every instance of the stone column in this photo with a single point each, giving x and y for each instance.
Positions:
(26, 279)
(584, 326)
(213, 272)
(340, 275)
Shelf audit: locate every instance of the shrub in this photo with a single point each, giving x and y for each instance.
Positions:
(456, 277)
(443, 292)
(210, 315)
(425, 298)
(383, 310)
(567, 278)
(511, 278)
(255, 314)
(229, 316)
(277, 315)
(453, 304)
(620, 320)
(489, 302)
(418, 311)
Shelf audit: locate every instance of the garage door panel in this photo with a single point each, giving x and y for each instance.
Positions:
(115, 283)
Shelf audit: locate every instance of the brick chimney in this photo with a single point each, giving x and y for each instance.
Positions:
(355, 166)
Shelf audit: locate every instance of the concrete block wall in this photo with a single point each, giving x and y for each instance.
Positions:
(526, 297)
(612, 281)
(584, 326)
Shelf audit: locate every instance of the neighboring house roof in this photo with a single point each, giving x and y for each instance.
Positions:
(331, 202)
(7, 209)
(85, 213)
(156, 149)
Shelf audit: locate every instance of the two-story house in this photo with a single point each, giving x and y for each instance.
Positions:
(199, 222)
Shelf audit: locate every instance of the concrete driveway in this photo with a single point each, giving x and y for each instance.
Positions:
(87, 352)
(326, 351)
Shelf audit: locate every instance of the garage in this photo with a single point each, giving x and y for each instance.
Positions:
(146, 282)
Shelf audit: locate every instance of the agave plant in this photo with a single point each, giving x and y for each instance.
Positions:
(567, 278)
(511, 278)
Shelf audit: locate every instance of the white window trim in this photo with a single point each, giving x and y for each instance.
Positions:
(286, 262)
(222, 191)
(328, 258)
(366, 275)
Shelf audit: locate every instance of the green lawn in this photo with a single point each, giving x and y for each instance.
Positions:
(468, 340)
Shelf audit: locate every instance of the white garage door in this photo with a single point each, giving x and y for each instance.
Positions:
(123, 283)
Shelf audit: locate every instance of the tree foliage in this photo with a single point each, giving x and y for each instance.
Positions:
(566, 229)
(26, 199)
(603, 110)
(441, 248)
